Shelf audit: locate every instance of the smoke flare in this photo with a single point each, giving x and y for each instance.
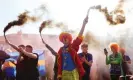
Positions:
(44, 24)
(22, 19)
(114, 17)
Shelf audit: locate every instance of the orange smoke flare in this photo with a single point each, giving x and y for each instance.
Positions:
(44, 24)
(116, 16)
(119, 18)
(22, 19)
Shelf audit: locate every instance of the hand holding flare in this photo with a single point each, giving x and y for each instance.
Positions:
(43, 25)
(85, 20)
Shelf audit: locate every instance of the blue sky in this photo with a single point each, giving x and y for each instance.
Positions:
(71, 12)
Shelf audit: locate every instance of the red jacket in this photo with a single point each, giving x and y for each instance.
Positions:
(72, 49)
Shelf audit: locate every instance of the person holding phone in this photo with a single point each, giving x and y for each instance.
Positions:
(87, 61)
(115, 60)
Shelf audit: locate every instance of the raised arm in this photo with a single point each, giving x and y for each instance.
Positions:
(107, 60)
(30, 55)
(13, 46)
(51, 50)
(83, 26)
(79, 39)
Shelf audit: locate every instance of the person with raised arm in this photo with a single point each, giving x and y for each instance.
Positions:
(19, 67)
(69, 64)
(55, 54)
(27, 63)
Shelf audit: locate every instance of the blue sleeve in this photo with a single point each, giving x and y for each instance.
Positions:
(128, 58)
(90, 57)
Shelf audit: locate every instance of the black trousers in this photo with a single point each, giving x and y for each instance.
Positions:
(27, 78)
(1, 75)
(114, 77)
(86, 76)
(55, 74)
(21, 77)
(10, 78)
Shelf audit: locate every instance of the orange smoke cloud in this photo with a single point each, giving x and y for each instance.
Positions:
(114, 17)
(22, 19)
(52, 23)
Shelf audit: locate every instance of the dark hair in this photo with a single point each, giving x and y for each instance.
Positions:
(21, 45)
(29, 46)
(84, 45)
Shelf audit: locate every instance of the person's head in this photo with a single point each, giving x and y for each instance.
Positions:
(122, 51)
(114, 48)
(65, 38)
(29, 48)
(84, 48)
(21, 46)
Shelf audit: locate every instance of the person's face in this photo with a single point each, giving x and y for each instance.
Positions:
(66, 41)
(113, 50)
(122, 52)
(28, 49)
(84, 49)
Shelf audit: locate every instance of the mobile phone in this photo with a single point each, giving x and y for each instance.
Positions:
(105, 50)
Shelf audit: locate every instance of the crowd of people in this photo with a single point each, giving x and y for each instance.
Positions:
(69, 64)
